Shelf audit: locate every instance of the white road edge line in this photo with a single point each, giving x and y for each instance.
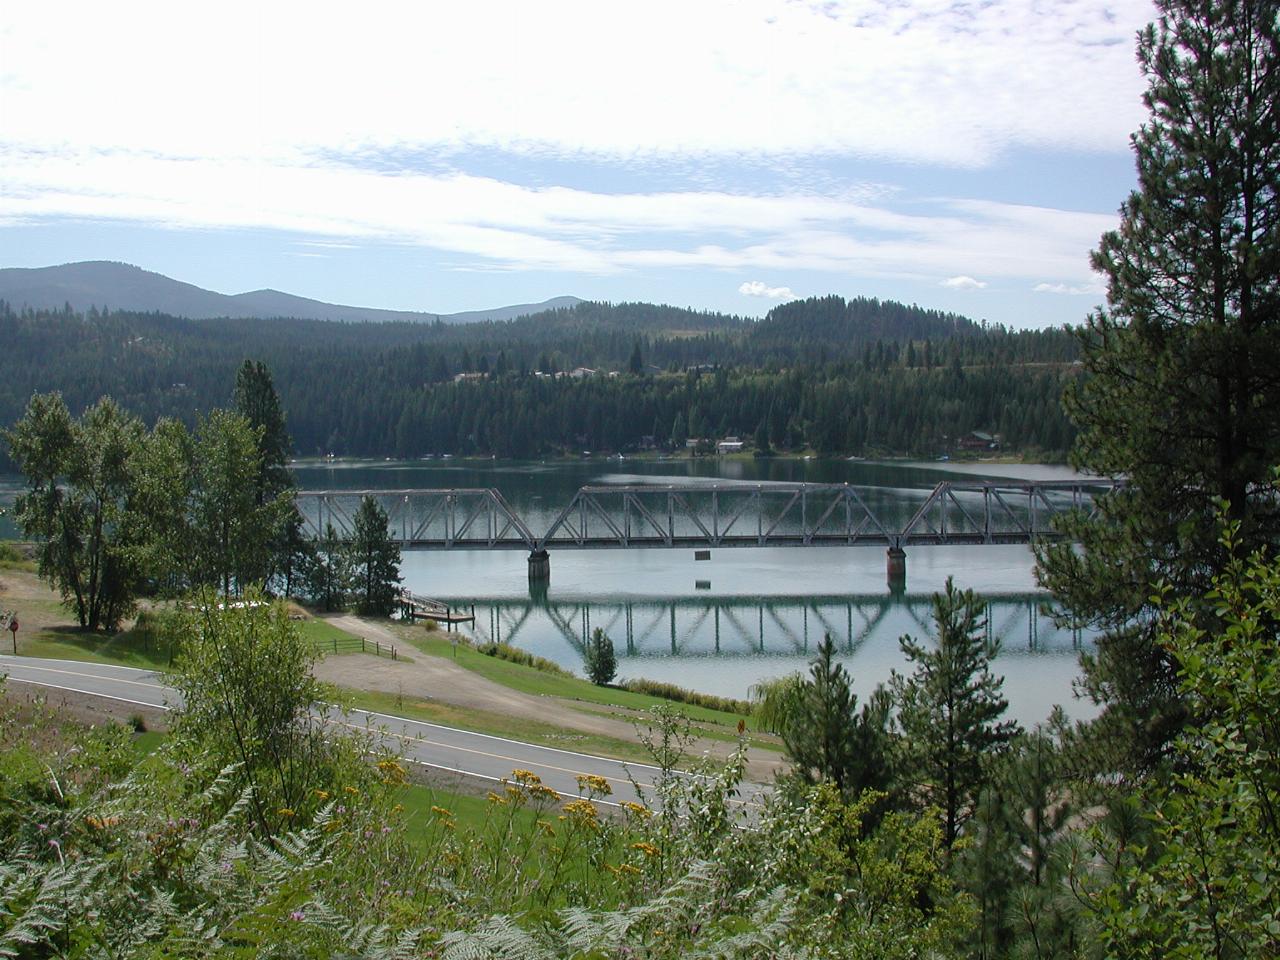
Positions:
(626, 764)
(89, 693)
(490, 736)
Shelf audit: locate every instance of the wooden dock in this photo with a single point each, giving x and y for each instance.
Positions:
(416, 607)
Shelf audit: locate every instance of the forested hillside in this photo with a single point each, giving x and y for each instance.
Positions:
(859, 377)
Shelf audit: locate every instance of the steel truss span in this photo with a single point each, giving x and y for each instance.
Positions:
(712, 515)
(755, 626)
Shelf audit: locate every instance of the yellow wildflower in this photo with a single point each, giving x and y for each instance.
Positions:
(441, 811)
(638, 809)
(594, 784)
(583, 810)
(285, 812)
(526, 777)
(496, 798)
(392, 772)
(648, 849)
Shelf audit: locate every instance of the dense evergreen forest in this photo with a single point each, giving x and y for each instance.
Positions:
(838, 377)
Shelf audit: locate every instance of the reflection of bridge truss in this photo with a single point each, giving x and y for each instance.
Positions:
(710, 515)
(743, 626)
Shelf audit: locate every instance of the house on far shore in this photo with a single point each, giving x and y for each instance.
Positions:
(729, 445)
(977, 440)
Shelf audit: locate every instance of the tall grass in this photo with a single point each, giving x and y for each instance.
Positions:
(515, 655)
(669, 691)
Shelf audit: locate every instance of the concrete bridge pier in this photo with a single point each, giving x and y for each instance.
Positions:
(540, 567)
(896, 570)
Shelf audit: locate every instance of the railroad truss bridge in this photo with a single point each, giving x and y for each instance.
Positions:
(706, 515)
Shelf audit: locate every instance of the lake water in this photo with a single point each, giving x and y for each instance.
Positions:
(723, 624)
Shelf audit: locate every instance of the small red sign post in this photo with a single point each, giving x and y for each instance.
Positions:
(13, 629)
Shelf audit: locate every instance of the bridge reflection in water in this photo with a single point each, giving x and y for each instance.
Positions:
(756, 626)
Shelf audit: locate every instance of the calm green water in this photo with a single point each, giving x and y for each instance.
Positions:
(748, 613)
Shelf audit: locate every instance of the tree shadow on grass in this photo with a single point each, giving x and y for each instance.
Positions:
(128, 647)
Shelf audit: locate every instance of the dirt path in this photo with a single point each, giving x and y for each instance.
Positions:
(437, 678)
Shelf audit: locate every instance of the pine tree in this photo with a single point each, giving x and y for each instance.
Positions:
(827, 738)
(375, 560)
(600, 660)
(256, 400)
(1183, 366)
(950, 709)
(327, 572)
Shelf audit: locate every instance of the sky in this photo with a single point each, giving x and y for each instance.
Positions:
(727, 155)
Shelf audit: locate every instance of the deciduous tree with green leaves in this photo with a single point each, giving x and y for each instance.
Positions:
(250, 700)
(79, 479)
(230, 534)
(1183, 365)
(1208, 886)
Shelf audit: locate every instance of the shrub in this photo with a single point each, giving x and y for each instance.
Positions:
(515, 655)
(669, 691)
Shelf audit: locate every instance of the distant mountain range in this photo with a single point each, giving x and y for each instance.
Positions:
(121, 286)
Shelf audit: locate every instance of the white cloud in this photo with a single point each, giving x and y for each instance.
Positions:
(757, 288)
(925, 81)
(1066, 288)
(963, 283)
(498, 225)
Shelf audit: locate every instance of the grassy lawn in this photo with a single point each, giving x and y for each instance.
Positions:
(139, 646)
(469, 812)
(495, 724)
(145, 744)
(128, 648)
(330, 640)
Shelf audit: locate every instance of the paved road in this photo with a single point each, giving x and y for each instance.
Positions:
(446, 749)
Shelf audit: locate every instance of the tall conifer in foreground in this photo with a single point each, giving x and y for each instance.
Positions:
(1183, 364)
(825, 735)
(950, 710)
